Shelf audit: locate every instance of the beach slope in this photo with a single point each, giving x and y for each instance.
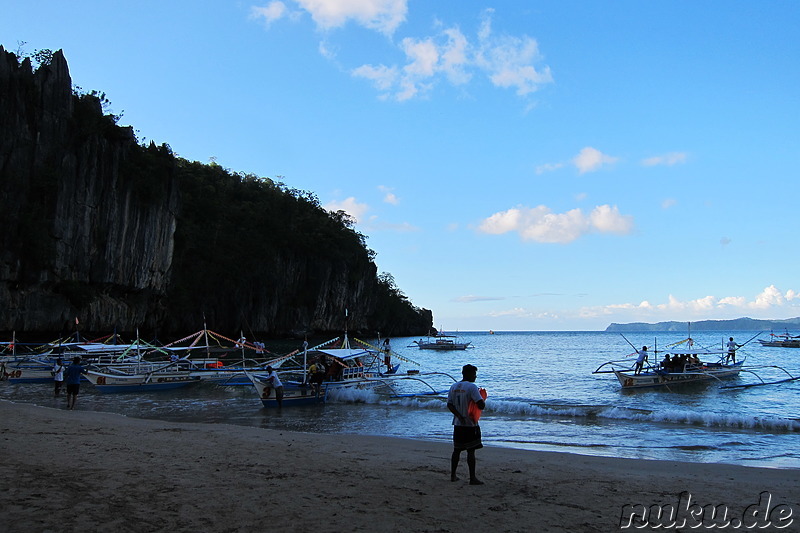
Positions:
(88, 471)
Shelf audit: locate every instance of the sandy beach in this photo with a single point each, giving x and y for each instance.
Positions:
(88, 471)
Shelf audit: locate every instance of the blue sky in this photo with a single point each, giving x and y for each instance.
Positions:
(516, 165)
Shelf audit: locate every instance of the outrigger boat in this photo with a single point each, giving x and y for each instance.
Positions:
(348, 367)
(140, 377)
(686, 365)
(36, 364)
(781, 341)
(442, 342)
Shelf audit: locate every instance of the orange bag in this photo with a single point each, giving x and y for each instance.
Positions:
(472, 410)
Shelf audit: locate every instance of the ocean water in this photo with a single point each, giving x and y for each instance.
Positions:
(542, 396)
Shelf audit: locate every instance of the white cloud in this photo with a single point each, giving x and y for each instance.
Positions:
(383, 77)
(384, 16)
(455, 57)
(508, 62)
(389, 196)
(767, 303)
(769, 297)
(591, 159)
(269, 13)
(350, 206)
(672, 158)
(668, 202)
(540, 224)
(517, 312)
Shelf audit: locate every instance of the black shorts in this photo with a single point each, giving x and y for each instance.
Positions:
(467, 437)
(73, 388)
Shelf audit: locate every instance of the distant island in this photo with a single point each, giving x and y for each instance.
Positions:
(739, 324)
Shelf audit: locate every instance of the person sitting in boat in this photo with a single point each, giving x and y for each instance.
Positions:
(666, 363)
(334, 372)
(694, 360)
(640, 360)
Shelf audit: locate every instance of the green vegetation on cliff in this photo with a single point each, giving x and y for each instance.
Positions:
(126, 235)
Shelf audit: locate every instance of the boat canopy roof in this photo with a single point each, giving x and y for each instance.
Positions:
(100, 347)
(343, 353)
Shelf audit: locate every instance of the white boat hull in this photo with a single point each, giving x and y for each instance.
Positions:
(106, 382)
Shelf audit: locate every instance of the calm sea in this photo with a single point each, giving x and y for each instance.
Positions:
(542, 396)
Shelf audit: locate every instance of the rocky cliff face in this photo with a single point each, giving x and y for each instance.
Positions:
(95, 226)
(76, 240)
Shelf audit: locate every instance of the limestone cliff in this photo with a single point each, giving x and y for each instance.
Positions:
(125, 236)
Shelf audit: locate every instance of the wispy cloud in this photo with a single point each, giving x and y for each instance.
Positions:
(507, 61)
(383, 16)
(548, 167)
(471, 298)
(540, 224)
(270, 13)
(672, 158)
(589, 159)
(389, 196)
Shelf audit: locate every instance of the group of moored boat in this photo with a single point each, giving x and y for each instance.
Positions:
(309, 375)
(306, 375)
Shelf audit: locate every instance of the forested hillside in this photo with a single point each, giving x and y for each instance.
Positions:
(125, 236)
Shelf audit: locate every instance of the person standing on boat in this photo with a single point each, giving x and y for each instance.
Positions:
(275, 383)
(466, 431)
(640, 360)
(732, 350)
(72, 376)
(58, 376)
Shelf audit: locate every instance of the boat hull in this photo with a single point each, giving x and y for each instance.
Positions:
(111, 383)
(293, 394)
(442, 347)
(291, 397)
(23, 374)
(630, 380)
(794, 343)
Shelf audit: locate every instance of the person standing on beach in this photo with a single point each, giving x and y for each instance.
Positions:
(72, 377)
(58, 376)
(466, 432)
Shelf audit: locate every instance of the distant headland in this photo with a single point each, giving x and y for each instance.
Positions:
(739, 324)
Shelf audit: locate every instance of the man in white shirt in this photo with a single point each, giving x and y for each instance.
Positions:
(275, 382)
(466, 431)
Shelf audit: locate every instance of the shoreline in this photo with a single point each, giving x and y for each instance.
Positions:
(103, 471)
